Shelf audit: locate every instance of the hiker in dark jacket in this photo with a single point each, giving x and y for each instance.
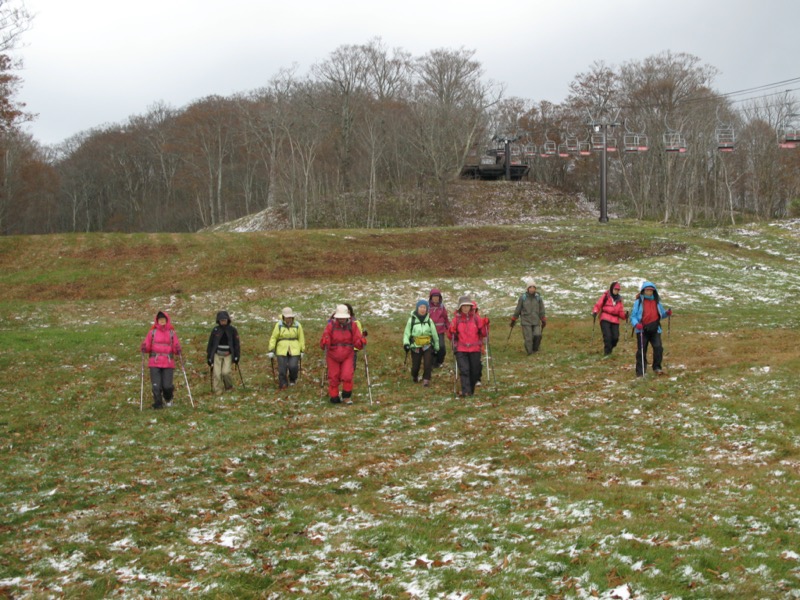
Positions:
(222, 352)
(420, 338)
(530, 312)
(610, 309)
(438, 313)
(646, 316)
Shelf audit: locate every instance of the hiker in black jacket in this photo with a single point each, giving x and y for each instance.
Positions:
(222, 352)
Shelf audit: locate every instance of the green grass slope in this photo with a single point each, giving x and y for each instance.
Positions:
(565, 478)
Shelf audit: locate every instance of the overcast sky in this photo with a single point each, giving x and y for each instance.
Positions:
(94, 62)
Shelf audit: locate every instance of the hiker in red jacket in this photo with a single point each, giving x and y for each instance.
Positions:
(610, 309)
(441, 319)
(162, 344)
(467, 331)
(342, 337)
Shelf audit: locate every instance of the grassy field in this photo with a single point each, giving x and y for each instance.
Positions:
(568, 478)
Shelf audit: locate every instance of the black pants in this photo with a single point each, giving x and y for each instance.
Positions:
(162, 384)
(469, 364)
(653, 339)
(424, 358)
(610, 335)
(440, 355)
(288, 367)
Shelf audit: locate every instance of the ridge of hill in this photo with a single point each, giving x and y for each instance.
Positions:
(478, 203)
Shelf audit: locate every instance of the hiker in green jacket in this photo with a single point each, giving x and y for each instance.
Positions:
(530, 312)
(421, 339)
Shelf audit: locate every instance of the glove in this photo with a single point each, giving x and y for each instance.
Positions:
(544, 322)
(639, 327)
(210, 362)
(364, 333)
(406, 347)
(144, 348)
(270, 355)
(594, 313)
(513, 321)
(486, 320)
(668, 313)
(627, 314)
(324, 343)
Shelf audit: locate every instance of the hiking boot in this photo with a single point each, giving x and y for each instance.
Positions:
(426, 382)
(477, 384)
(291, 383)
(335, 400)
(347, 397)
(157, 406)
(168, 404)
(659, 372)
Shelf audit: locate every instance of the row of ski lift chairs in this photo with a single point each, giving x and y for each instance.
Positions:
(674, 142)
(572, 146)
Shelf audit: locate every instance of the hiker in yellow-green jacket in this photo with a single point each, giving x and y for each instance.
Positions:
(288, 343)
(421, 339)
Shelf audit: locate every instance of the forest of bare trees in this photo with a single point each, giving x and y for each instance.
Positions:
(372, 137)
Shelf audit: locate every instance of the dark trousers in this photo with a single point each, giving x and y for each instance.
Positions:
(653, 339)
(424, 357)
(440, 355)
(469, 364)
(161, 380)
(610, 335)
(288, 367)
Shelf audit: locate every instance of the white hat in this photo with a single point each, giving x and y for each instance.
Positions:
(464, 300)
(529, 283)
(287, 313)
(341, 312)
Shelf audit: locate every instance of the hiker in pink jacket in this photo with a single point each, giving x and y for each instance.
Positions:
(161, 344)
(610, 309)
(441, 319)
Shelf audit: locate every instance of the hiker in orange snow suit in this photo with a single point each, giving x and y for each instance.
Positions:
(467, 331)
(341, 338)
(611, 311)
(161, 344)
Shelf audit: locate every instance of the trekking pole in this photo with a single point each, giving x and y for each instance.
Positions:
(455, 373)
(669, 322)
(594, 322)
(186, 379)
(239, 370)
(489, 364)
(510, 331)
(641, 345)
(211, 378)
(366, 369)
(274, 375)
(324, 369)
(141, 394)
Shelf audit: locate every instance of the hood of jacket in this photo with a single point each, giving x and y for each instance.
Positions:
(436, 292)
(169, 321)
(223, 314)
(650, 284)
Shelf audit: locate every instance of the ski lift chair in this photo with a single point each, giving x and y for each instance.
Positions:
(726, 139)
(548, 149)
(674, 142)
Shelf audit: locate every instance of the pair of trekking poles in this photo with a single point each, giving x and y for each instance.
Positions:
(490, 373)
(186, 379)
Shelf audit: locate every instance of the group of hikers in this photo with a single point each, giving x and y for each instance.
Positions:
(425, 337)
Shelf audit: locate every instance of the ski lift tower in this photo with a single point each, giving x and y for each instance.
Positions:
(506, 141)
(600, 142)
